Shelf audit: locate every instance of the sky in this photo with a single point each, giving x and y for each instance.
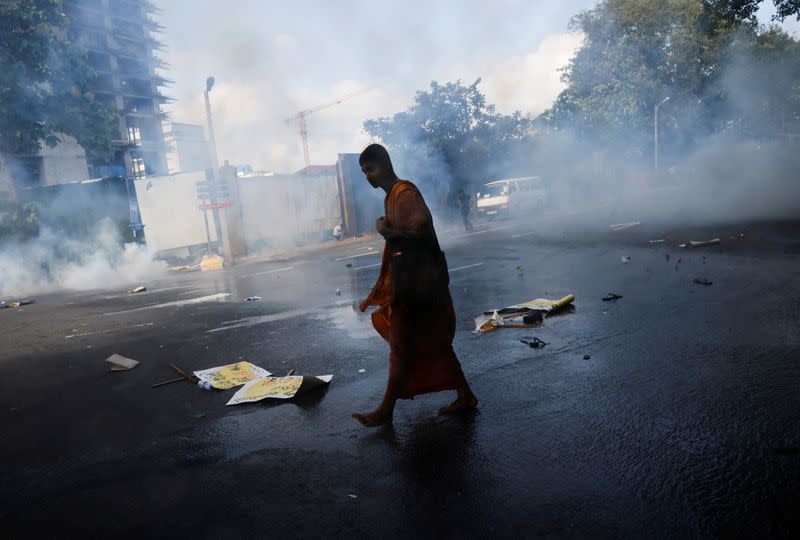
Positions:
(273, 58)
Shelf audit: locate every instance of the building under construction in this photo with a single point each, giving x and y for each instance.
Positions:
(120, 37)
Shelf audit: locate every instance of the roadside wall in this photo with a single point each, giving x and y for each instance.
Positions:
(170, 211)
(288, 210)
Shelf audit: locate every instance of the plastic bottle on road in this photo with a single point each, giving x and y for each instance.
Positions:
(205, 385)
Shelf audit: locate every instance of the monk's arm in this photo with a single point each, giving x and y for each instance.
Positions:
(411, 214)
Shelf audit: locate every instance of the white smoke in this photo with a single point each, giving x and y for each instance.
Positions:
(51, 262)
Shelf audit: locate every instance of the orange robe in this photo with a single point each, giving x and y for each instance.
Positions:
(421, 356)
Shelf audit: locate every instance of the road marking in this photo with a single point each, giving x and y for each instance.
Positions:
(367, 254)
(523, 234)
(368, 266)
(483, 231)
(465, 267)
(107, 331)
(177, 303)
(282, 316)
(269, 272)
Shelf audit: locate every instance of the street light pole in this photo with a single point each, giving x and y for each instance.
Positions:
(211, 138)
(655, 138)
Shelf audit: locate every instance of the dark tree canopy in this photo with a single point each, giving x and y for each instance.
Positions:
(43, 83)
(450, 136)
(721, 71)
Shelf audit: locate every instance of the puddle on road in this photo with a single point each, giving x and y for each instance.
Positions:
(347, 318)
(342, 316)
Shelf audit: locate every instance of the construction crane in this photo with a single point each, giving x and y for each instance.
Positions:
(300, 118)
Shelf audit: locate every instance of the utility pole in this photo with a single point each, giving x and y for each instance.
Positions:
(220, 224)
(655, 138)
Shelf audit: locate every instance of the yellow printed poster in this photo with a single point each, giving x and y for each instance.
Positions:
(276, 387)
(232, 375)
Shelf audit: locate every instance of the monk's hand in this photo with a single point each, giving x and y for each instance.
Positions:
(363, 306)
(380, 225)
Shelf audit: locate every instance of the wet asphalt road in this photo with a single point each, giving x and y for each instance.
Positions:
(683, 422)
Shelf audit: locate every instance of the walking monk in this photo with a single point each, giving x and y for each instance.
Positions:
(416, 313)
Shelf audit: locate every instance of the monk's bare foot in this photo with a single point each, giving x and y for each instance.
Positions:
(461, 404)
(373, 419)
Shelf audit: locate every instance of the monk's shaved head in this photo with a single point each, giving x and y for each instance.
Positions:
(377, 154)
(377, 167)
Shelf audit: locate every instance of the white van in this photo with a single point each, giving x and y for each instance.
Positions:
(511, 196)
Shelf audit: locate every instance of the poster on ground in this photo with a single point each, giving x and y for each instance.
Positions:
(224, 377)
(277, 388)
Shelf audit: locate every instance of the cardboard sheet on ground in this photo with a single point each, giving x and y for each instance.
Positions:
(224, 377)
(278, 388)
(515, 315)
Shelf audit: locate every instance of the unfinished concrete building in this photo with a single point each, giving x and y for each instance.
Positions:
(120, 37)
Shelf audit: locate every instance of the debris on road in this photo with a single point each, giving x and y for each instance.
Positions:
(349, 265)
(623, 226)
(587, 357)
(184, 268)
(21, 303)
(611, 297)
(659, 241)
(704, 243)
(211, 263)
(224, 377)
(252, 299)
(626, 259)
(121, 363)
(278, 388)
(205, 385)
(338, 292)
(520, 269)
(362, 370)
(703, 281)
(533, 343)
(137, 290)
(522, 315)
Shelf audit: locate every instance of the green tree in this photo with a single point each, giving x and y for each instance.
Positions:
(450, 136)
(44, 83)
(637, 52)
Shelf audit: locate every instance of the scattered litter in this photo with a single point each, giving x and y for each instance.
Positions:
(349, 265)
(704, 243)
(520, 269)
(278, 388)
(659, 241)
(586, 357)
(205, 385)
(362, 370)
(703, 281)
(137, 290)
(338, 292)
(183, 377)
(211, 263)
(290, 373)
(611, 297)
(121, 363)
(353, 496)
(625, 259)
(21, 303)
(224, 377)
(184, 268)
(623, 226)
(521, 315)
(252, 299)
(533, 343)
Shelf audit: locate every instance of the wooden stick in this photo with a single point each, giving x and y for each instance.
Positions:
(179, 370)
(169, 382)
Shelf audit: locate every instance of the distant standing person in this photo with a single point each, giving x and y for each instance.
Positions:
(465, 202)
(416, 313)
